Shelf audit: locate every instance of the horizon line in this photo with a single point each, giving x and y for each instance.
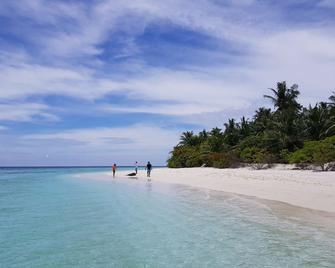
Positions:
(72, 166)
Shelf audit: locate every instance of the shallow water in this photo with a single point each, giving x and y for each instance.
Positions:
(49, 218)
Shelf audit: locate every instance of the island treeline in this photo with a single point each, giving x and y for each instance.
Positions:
(288, 133)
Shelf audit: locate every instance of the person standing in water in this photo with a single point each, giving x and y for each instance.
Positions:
(149, 168)
(136, 167)
(114, 167)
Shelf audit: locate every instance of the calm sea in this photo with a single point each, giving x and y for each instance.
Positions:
(51, 218)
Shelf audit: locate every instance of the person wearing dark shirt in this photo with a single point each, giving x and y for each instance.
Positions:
(149, 168)
(136, 167)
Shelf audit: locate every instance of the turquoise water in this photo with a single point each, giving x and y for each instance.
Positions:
(50, 218)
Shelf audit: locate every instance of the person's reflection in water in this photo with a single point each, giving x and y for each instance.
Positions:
(148, 186)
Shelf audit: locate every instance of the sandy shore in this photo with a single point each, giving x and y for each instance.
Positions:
(307, 189)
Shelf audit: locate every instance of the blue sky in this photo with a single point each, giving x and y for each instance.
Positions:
(96, 82)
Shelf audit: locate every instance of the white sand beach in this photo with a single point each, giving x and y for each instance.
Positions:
(307, 189)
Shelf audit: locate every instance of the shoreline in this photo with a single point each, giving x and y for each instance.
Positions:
(301, 188)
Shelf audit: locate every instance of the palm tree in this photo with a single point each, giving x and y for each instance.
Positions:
(262, 119)
(286, 118)
(262, 113)
(231, 132)
(285, 98)
(216, 132)
(331, 128)
(332, 99)
(245, 128)
(317, 121)
(215, 140)
(203, 135)
(186, 138)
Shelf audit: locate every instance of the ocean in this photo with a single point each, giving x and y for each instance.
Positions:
(49, 217)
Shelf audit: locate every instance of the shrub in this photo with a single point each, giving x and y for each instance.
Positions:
(180, 156)
(222, 163)
(184, 156)
(248, 154)
(224, 160)
(315, 152)
(284, 156)
(257, 156)
(251, 141)
(194, 161)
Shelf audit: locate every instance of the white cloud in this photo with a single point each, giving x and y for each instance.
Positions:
(305, 57)
(25, 112)
(163, 109)
(327, 3)
(96, 146)
(22, 80)
(135, 137)
(78, 29)
(270, 52)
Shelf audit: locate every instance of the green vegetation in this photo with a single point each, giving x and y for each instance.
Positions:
(315, 152)
(290, 133)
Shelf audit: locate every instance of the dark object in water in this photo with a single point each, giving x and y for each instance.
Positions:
(131, 174)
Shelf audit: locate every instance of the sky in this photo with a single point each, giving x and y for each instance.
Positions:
(93, 82)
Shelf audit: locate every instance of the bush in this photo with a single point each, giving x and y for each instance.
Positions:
(180, 156)
(222, 163)
(315, 152)
(257, 156)
(184, 156)
(302, 158)
(224, 160)
(194, 161)
(251, 142)
(284, 156)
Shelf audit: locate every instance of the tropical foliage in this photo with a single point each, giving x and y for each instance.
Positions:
(315, 152)
(288, 133)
